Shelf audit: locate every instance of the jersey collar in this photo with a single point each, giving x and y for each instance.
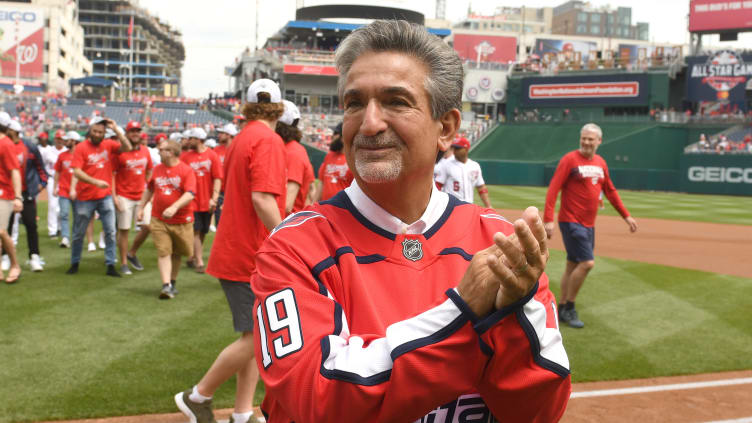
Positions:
(437, 205)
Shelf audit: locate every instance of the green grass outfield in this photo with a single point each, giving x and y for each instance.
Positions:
(94, 346)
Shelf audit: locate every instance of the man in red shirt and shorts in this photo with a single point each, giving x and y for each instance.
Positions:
(170, 190)
(208, 169)
(581, 175)
(132, 171)
(11, 199)
(255, 185)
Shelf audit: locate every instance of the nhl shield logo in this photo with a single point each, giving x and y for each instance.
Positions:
(412, 249)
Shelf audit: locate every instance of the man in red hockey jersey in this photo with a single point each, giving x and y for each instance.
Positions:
(581, 176)
(392, 301)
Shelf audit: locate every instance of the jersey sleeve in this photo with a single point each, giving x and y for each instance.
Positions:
(8, 158)
(189, 180)
(613, 196)
(480, 181)
(307, 355)
(527, 378)
(295, 168)
(560, 176)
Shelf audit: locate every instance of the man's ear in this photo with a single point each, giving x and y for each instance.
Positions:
(450, 123)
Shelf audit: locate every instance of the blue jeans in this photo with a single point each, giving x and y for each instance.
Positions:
(65, 207)
(83, 212)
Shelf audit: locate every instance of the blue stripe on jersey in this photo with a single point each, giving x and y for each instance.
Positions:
(342, 201)
(453, 202)
(495, 317)
(434, 338)
(535, 346)
(373, 258)
(331, 261)
(456, 250)
(337, 319)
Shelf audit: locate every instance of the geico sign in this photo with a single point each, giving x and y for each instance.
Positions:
(21, 16)
(734, 175)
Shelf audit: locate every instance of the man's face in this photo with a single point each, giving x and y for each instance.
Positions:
(164, 151)
(13, 135)
(388, 131)
(69, 144)
(589, 142)
(59, 142)
(460, 154)
(43, 141)
(193, 143)
(134, 136)
(96, 133)
(223, 137)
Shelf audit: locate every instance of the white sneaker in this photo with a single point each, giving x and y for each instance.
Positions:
(92, 246)
(212, 228)
(64, 243)
(5, 262)
(101, 241)
(35, 263)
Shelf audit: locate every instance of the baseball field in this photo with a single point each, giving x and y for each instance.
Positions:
(672, 300)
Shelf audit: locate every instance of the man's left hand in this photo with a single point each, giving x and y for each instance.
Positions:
(632, 224)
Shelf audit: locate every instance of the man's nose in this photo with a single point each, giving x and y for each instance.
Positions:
(373, 119)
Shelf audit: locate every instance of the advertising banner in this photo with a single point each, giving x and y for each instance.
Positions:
(485, 48)
(626, 89)
(21, 41)
(720, 77)
(716, 174)
(719, 15)
(310, 69)
(632, 53)
(544, 45)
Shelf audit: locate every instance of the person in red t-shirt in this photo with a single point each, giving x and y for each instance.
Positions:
(63, 176)
(132, 171)
(334, 173)
(11, 199)
(170, 190)
(299, 168)
(255, 185)
(225, 135)
(92, 164)
(208, 169)
(581, 176)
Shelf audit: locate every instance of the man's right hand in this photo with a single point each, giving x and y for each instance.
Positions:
(17, 206)
(72, 194)
(169, 212)
(101, 184)
(549, 227)
(118, 204)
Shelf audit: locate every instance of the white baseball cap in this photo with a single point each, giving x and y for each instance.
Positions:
(176, 136)
(15, 126)
(291, 112)
(4, 119)
(264, 86)
(72, 135)
(97, 120)
(109, 133)
(197, 133)
(229, 129)
(211, 143)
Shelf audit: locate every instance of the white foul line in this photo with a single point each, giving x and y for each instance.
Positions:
(742, 420)
(659, 388)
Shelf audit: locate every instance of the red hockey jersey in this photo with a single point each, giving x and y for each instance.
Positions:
(359, 324)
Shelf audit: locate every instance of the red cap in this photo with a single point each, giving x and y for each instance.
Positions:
(43, 135)
(144, 136)
(133, 125)
(59, 133)
(461, 143)
(160, 136)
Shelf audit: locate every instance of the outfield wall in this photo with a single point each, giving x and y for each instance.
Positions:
(716, 174)
(641, 156)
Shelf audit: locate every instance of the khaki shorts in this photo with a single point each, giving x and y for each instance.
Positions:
(128, 215)
(172, 239)
(6, 209)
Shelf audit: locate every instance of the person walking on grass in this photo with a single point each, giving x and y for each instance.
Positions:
(255, 187)
(92, 164)
(63, 178)
(132, 171)
(581, 175)
(11, 199)
(170, 191)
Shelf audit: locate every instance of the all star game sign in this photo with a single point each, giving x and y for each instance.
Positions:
(720, 77)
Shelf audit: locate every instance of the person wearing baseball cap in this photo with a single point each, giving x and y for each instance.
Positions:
(11, 199)
(334, 173)
(50, 154)
(132, 171)
(33, 177)
(63, 175)
(92, 164)
(458, 175)
(208, 169)
(299, 168)
(224, 138)
(255, 185)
